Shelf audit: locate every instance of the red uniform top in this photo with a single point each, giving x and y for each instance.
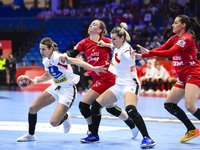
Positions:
(183, 51)
(141, 71)
(95, 55)
(172, 72)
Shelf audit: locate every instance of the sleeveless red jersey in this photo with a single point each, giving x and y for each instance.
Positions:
(95, 55)
(183, 51)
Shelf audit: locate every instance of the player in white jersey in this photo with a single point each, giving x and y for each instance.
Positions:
(127, 86)
(146, 80)
(161, 76)
(62, 90)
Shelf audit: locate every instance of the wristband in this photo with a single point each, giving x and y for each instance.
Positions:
(111, 46)
(35, 81)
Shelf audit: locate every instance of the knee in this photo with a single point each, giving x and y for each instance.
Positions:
(115, 111)
(85, 109)
(96, 108)
(191, 108)
(132, 112)
(32, 110)
(171, 108)
(54, 123)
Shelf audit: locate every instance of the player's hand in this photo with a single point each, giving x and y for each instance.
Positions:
(132, 53)
(63, 57)
(138, 55)
(98, 69)
(143, 49)
(135, 55)
(101, 43)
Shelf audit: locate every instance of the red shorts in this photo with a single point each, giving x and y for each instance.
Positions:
(102, 84)
(192, 80)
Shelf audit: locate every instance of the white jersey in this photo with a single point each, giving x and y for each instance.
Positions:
(150, 73)
(62, 73)
(123, 66)
(162, 73)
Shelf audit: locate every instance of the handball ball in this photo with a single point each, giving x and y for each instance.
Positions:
(23, 81)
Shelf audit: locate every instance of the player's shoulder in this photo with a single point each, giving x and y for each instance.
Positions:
(105, 39)
(187, 36)
(45, 60)
(83, 41)
(126, 47)
(172, 38)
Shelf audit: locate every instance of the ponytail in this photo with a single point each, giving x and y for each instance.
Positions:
(195, 28)
(120, 31)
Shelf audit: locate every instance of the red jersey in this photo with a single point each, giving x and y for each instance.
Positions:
(172, 72)
(141, 71)
(95, 55)
(183, 51)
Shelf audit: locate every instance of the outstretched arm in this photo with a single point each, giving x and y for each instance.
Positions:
(45, 77)
(81, 63)
(165, 53)
(165, 46)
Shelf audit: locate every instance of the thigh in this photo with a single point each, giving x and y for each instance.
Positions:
(164, 79)
(59, 112)
(192, 92)
(90, 96)
(67, 95)
(107, 99)
(142, 79)
(44, 99)
(175, 95)
(130, 99)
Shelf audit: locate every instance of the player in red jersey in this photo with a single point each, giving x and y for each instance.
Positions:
(182, 48)
(98, 56)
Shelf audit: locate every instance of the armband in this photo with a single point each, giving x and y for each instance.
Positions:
(73, 53)
(35, 81)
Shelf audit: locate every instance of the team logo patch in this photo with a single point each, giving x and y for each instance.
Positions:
(181, 42)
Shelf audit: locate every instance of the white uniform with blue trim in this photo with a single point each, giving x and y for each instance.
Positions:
(123, 66)
(63, 89)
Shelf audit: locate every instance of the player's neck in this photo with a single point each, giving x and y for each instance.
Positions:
(94, 38)
(181, 33)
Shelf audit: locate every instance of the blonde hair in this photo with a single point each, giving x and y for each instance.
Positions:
(120, 31)
(50, 43)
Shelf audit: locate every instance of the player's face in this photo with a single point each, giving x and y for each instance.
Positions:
(177, 25)
(94, 28)
(158, 67)
(45, 51)
(142, 62)
(116, 40)
(148, 65)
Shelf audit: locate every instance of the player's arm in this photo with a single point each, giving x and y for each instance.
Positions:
(83, 64)
(101, 43)
(73, 53)
(165, 46)
(45, 77)
(165, 53)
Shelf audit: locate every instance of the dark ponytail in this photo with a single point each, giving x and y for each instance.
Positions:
(195, 28)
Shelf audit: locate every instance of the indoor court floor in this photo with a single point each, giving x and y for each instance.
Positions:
(163, 128)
